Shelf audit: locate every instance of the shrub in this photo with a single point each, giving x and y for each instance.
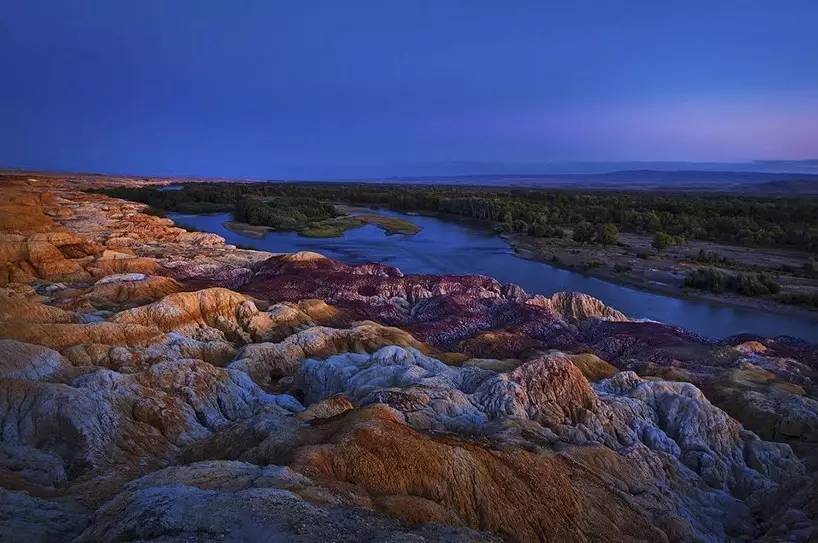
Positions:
(591, 264)
(712, 257)
(808, 299)
(543, 230)
(584, 232)
(707, 279)
(607, 234)
(755, 284)
(747, 284)
(663, 240)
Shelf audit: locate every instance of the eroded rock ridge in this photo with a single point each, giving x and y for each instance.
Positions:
(159, 384)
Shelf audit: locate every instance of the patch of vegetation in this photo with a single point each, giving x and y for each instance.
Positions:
(583, 232)
(621, 268)
(663, 240)
(714, 258)
(605, 234)
(542, 230)
(722, 218)
(590, 264)
(719, 281)
(391, 225)
(192, 199)
(331, 228)
(809, 300)
(282, 212)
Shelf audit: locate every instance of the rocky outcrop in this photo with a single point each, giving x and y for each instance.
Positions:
(233, 501)
(158, 384)
(668, 417)
(268, 362)
(131, 289)
(105, 420)
(29, 362)
(27, 518)
(417, 477)
(473, 313)
(576, 307)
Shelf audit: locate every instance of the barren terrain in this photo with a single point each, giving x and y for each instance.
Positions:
(158, 384)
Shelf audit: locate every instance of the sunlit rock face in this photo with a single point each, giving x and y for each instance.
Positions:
(158, 384)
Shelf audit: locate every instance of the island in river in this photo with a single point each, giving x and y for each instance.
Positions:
(333, 227)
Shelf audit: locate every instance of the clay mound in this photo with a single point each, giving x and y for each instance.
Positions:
(550, 390)
(304, 261)
(64, 336)
(440, 310)
(15, 309)
(32, 362)
(122, 263)
(243, 502)
(576, 307)
(303, 256)
(591, 366)
(132, 289)
(27, 258)
(419, 478)
(208, 307)
(268, 362)
(232, 314)
(21, 210)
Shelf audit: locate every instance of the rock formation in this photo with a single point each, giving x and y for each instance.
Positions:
(159, 384)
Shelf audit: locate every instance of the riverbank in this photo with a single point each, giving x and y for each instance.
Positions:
(448, 245)
(633, 263)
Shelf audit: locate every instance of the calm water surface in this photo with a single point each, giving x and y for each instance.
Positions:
(449, 247)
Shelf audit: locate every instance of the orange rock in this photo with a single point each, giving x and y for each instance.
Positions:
(520, 495)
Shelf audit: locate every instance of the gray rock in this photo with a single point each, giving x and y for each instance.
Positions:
(35, 520)
(20, 360)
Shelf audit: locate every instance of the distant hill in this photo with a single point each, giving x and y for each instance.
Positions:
(757, 182)
(787, 187)
(753, 182)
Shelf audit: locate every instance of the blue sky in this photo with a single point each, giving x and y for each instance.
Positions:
(323, 89)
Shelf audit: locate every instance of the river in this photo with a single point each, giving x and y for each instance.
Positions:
(452, 247)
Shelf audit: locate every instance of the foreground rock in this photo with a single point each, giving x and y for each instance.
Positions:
(158, 384)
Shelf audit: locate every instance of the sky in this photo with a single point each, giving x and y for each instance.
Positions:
(270, 89)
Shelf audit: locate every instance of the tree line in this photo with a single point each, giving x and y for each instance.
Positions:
(598, 216)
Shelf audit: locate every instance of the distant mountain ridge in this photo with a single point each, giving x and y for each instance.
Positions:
(757, 182)
(753, 182)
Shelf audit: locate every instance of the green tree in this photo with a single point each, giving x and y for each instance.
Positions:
(662, 240)
(607, 234)
(583, 232)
